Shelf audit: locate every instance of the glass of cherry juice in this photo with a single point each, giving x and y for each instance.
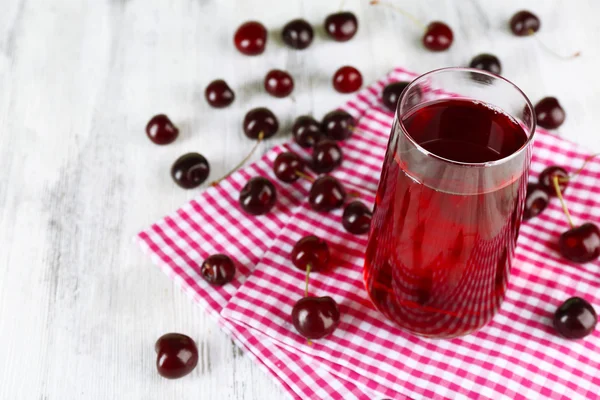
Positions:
(449, 203)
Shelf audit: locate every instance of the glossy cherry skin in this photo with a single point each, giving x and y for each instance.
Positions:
(357, 218)
(218, 94)
(288, 167)
(315, 317)
(251, 38)
(438, 36)
(298, 34)
(306, 131)
(190, 170)
(580, 244)
(341, 26)
(218, 269)
(575, 318)
(391, 94)
(326, 156)
(549, 112)
(326, 194)
(161, 130)
(487, 62)
(524, 23)
(176, 355)
(536, 200)
(258, 196)
(260, 120)
(546, 179)
(310, 250)
(347, 79)
(279, 83)
(338, 125)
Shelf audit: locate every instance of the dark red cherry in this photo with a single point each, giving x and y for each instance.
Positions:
(546, 179)
(347, 79)
(315, 317)
(161, 130)
(536, 200)
(580, 244)
(298, 34)
(326, 194)
(219, 94)
(260, 120)
(288, 167)
(341, 26)
(190, 170)
(310, 250)
(279, 83)
(357, 218)
(251, 38)
(487, 62)
(326, 156)
(338, 125)
(306, 131)
(524, 23)
(258, 196)
(438, 36)
(550, 114)
(391, 93)
(218, 269)
(176, 355)
(575, 318)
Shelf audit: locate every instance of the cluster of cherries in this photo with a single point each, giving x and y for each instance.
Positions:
(192, 169)
(549, 112)
(313, 317)
(575, 318)
(259, 195)
(317, 317)
(579, 244)
(251, 39)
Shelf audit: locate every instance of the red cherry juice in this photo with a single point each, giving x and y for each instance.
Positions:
(439, 255)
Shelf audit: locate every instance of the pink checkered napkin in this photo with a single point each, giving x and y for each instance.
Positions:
(213, 223)
(516, 356)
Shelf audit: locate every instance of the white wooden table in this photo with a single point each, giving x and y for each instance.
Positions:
(80, 307)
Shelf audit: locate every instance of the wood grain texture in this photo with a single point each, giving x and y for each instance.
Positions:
(80, 307)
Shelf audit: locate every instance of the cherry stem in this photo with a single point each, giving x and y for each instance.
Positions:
(342, 5)
(549, 50)
(305, 176)
(308, 267)
(260, 138)
(587, 160)
(306, 283)
(401, 11)
(562, 201)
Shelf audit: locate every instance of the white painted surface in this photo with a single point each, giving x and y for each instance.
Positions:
(80, 307)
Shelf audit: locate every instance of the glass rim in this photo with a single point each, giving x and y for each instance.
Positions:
(428, 153)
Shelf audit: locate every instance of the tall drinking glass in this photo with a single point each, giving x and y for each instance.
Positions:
(450, 201)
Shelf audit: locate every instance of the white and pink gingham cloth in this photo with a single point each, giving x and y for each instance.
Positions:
(516, 356)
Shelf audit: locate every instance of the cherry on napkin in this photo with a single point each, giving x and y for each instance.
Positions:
(516, 356)
(213, 223)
